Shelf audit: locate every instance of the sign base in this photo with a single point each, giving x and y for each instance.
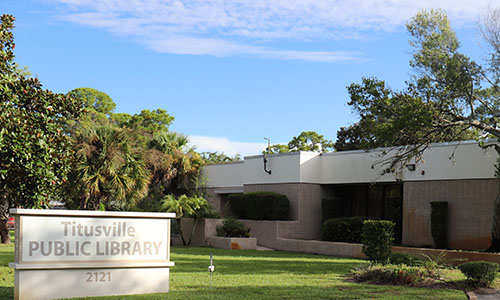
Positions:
(69, 283)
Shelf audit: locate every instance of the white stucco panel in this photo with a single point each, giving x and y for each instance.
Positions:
(284, 168)
(224, 175)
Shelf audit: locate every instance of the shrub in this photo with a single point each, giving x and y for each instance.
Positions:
(480, 273)
(377, 239)
(259, 206)
(394, 274)
(232, 228)
(346, 230)
(404, 259)
(439, 223)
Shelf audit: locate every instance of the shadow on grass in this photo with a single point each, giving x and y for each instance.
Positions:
(251, 266)
(6, 292)
(259, 262)
(342, 291)
(6, 258)
(248, 253)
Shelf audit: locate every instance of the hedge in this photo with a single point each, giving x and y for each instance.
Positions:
(480, 273)
(377, 239)
(259, 206)
(347, 230)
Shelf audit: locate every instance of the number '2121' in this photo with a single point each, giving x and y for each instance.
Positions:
(98, 276)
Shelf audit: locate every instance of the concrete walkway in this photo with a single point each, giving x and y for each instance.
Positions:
(264, 248)
(484, 294)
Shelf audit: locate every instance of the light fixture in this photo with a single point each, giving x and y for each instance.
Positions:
(411, 167)
(265, 157)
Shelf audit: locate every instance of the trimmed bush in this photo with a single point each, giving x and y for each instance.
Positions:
(404, 259)
(439, 223)
(480, 273)
(232, 228)
(346, 230)
(259, 206)
(377, 239)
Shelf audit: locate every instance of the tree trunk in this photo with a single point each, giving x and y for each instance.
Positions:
(179, 220)
(4, 218)
(195, 221)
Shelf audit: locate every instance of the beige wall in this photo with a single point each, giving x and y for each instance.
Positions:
(213, 198)
(469, 216)
(291, 190)
(203, 229)
(470, 207)
(305, 207)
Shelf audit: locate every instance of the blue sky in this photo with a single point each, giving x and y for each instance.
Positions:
(230, 72)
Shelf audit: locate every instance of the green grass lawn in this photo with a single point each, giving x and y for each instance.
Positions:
(258, 275)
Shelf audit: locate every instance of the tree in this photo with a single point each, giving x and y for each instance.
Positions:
(310, 141)
(277, 148)
(305, 141)
(108, 171)
(173, 164)
(35, 150)
(148, 121)
(144, 126)
(389, 118)
(95, 100)
(185, 207)
(219, 157)
(455, 94)
(353, 137)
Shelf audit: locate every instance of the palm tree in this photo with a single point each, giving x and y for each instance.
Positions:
(185, 207)
(108, 170)
(174, 165)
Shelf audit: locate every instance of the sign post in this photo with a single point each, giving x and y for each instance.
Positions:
(64, 253)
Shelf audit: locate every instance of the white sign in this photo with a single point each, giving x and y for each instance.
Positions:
(93, 253)
(46, 239)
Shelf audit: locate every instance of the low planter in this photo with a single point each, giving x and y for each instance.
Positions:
(234, 243)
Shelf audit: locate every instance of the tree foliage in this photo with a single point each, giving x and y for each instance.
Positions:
(174, 166)
(35, 149)
(74, 147)
(94, 100)
(147, 122)
(108, 171)
(449, 97)
(219, 157)
(390, 118)
(305, 141)
(127, 161)
(185, 207)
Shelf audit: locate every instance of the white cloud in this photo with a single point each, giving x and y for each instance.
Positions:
(242, 27)
(218, 47)
(222, 144)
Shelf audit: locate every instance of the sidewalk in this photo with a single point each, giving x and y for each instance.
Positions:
(484, 294)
